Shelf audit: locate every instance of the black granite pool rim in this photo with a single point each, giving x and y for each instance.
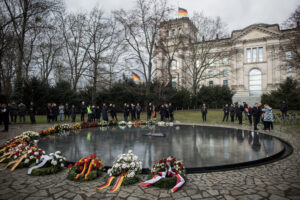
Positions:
(285, 152)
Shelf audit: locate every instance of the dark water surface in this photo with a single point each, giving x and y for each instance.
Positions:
(197, 146)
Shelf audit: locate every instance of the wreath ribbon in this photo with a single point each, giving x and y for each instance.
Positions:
(117, 184)
(45, 159)
(180, 181)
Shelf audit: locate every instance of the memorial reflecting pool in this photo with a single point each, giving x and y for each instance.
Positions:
(197, 146)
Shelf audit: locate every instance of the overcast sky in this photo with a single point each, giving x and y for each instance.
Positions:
(236, 13)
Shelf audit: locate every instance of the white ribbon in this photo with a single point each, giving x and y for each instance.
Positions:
(45, 158)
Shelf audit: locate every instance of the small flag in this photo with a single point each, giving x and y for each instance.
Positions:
(135, 77)
(182, 12)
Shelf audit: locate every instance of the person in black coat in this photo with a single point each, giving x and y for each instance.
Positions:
(5, 117)
(204, 112)
(138, 111)
(31, 112)
(162, 112)
(83, 110)
(256, 112)
(249, 111)
(232, 112)
(104, 112)
(125, 112)
(171, 112)
(49, 112)
(133, 111)
(284, 109)
(149, 111)
(226, 112)
(240, 110)
(98, 114)
(73, 113)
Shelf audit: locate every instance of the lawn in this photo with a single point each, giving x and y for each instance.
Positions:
(214, 117)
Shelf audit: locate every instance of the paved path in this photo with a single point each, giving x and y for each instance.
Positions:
(279, 180)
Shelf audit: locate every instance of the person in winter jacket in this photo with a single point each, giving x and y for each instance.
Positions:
(268, 117)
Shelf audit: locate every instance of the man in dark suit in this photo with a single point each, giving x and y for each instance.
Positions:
(204, 112)
(256, 115)
(149, 111)
(226, 112)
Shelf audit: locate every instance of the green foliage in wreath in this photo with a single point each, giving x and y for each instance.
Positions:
(167, 183)
(72, 175)
(126, 180)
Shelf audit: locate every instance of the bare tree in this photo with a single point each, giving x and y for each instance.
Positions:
(26, 15)
(201, 55)
(141, 26)
(77, 45)
(102, 35)
(293, 37)
(48, 49)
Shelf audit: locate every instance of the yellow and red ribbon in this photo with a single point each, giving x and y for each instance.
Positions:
(84, 168)
(110, 179)
(89, 170)
(118, 183)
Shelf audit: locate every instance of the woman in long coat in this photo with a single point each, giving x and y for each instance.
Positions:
(104, 112)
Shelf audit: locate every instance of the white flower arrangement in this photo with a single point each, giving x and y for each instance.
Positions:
(58, 160)
(161, 123)
(62, 127)
(31, 134)
(122, 123)
(126, 163)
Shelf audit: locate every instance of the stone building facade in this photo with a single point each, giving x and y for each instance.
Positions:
(257, 62)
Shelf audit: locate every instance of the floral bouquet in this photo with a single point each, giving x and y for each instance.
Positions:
(62, 127)
(33, 155)
(126, 168)
(112, 123)
(49, 165)
(85, 125)
(161, 123)
(168, 173)
(122, 123)
(31, 134)
(75, 126)
(94, 124)
(47, 131)
(87, 168)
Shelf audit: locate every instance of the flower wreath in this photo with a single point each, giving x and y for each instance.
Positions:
(168, 173)
(48, 165)
(87, 168)
(126, 168)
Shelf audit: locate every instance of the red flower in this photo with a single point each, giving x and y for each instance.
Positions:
(39, 157)
(70, 166)
(92, 156)
(168, 160)
(165, 159)
(80, 167)
(97, 165)
(155, 163)
(166, 166)
(77, 163)
(181, 167)
(153, 173)
(174, 159)
(40, 150)
(174, 164)
(31, 153)
(160, 161)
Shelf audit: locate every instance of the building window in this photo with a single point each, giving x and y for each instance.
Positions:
(288, 55)
(210, 62)
(225, 61)
(179, 31)
(211, 73)
(254, 53)
(289, 68)
(225, 82)
(225, 72)
(260, 54)
(174, 82)
(197, 63)
(211, 83)
(173, 65)
(173, 32)
(167, 33)
(255, 88)
(249, 55)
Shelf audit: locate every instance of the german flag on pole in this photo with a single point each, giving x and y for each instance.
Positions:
(136, 77)
(182, 12)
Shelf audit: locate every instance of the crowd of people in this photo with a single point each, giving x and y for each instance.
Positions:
(164, 112)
